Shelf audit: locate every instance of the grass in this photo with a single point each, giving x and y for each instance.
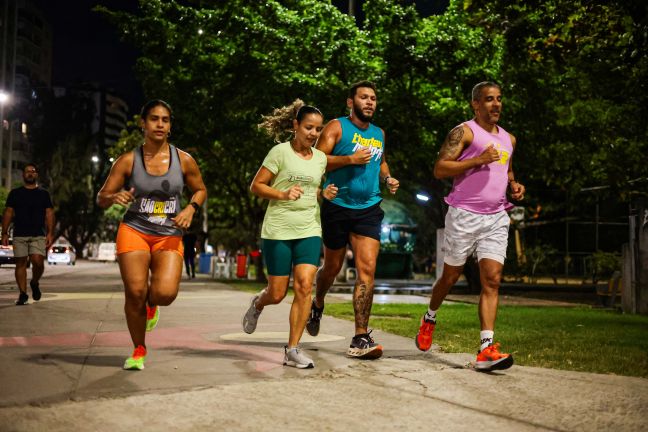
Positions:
(578, 339)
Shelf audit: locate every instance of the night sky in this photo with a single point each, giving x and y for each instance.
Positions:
(86, 47)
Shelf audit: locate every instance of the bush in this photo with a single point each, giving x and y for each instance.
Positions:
(604, 264)
(540, 259)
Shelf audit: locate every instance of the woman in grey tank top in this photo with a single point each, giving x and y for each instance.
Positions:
(149, 181)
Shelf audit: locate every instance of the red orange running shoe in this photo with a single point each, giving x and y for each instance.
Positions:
(152, 317)
(424, 336)
(136, 361)
(490, 359)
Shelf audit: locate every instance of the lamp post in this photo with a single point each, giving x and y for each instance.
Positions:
(4, 99)
(423, 197)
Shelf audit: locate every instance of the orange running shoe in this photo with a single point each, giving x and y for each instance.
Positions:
(136, 361)
(152, 317)
(490, 359)
(424, 336)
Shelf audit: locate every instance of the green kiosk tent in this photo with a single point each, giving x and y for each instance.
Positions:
(396, 242)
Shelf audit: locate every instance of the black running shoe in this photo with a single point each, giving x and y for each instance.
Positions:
(22, 299)
(364, 347)
(313, 324)
(36, 293)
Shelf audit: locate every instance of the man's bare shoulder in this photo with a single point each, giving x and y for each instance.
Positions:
(457, 139)
(332, 126)
(330, 136)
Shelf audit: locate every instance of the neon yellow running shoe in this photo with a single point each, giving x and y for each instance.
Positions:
(152, 317)
(136, 361)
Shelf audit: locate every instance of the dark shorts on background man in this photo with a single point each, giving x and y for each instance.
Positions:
(339, 222)
(24, 246)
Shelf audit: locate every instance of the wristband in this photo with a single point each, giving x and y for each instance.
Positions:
(195, 206)
(385, 179)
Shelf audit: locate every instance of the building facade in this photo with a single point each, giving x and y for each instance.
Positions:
(25, 66)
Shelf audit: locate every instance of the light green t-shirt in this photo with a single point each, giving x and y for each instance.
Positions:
(289, 220)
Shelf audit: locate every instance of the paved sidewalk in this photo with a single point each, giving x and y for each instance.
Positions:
(61, 370)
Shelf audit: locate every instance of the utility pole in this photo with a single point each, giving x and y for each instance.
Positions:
(13, 92)
(352, 8)
(3, 73)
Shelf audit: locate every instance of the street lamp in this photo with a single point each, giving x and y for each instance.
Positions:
(95, 158)
(4, 99)
(422, 197)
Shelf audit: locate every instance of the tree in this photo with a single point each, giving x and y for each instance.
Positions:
(73, 187)
(577, 73)
(429, 67)
(573, 74)
(222, 68)
(64, 145)
(4, 193)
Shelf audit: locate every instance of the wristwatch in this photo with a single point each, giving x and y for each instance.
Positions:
(385, 179)
(195, 205)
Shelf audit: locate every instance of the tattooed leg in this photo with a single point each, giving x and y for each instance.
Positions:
(362, 301)
(365, 250)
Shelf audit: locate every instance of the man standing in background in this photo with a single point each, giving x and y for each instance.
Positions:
(30, 208)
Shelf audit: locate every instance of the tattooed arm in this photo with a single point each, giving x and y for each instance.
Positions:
(457, 140)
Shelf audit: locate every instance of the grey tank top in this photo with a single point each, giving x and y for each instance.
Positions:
(157, 198)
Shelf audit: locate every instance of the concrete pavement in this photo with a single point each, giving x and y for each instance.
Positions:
(61, 370)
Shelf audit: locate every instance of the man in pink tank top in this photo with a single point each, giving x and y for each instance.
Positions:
(478, 155)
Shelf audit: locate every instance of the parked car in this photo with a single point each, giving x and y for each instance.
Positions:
(7, 255)
(61, 254)
(107, 252)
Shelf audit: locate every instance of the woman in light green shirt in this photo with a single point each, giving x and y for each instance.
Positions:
(290, 179)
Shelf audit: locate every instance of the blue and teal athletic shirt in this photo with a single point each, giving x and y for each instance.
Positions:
(358, 185)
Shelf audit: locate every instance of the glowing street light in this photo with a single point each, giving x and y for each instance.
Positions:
(422, 197)
(95, 158)
(4, 100)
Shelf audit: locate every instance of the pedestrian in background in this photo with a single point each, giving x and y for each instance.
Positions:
(189, 242)
(30, 208)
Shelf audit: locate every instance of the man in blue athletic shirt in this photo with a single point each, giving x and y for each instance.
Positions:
(356, 164)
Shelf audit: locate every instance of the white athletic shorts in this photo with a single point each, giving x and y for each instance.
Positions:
(467, 232)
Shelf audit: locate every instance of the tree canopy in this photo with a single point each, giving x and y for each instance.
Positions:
(573, 74)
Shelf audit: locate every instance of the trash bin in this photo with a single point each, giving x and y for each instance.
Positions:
(241, 266)
(204, 263)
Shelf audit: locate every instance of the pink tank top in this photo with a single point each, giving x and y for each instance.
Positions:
(483, 189)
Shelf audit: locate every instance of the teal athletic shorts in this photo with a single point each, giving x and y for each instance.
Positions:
(281, 255)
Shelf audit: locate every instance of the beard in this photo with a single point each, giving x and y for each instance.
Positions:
(357, 111)
(29, 181)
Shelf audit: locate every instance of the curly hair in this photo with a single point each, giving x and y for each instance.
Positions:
(279, 124)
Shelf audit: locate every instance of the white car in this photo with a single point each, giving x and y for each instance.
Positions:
(7, 255)
(61, 254)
